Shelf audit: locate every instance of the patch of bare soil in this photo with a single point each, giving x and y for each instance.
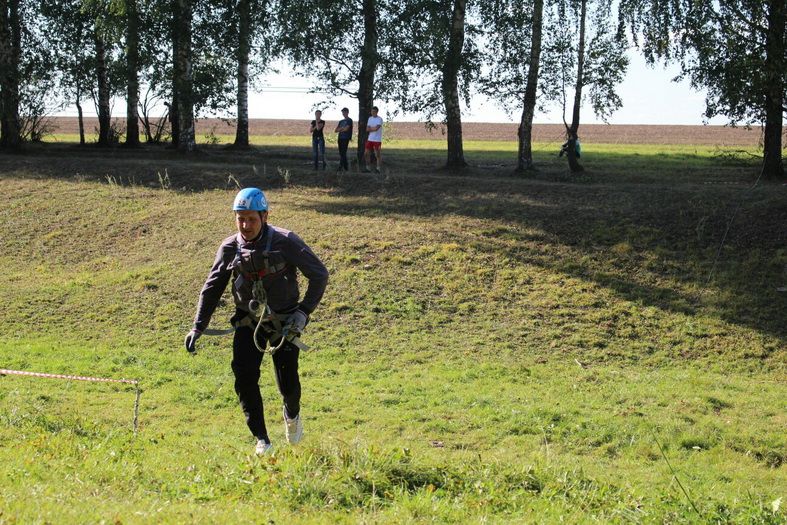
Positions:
(590, 133)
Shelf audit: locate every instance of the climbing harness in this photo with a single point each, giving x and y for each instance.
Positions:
(262, 317)
(274, 325)
(270, 322)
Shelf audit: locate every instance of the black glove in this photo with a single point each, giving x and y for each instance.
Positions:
(191, 340)
(296, 322)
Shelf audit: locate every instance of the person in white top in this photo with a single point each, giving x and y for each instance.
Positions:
(374, 126)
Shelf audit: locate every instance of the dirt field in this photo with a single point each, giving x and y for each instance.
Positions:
(590, 133)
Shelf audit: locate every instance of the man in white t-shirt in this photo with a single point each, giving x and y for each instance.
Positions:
(374, 126)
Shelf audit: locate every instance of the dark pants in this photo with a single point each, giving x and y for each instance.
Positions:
(343, 143)
(318, 151)
(246, 361)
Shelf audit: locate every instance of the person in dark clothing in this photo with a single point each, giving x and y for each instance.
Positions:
(262, 261)
(345, 131)
(318, 139)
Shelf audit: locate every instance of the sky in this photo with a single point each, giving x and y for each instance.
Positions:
(649, 97)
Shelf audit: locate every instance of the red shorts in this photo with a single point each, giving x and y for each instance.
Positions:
(372, 145)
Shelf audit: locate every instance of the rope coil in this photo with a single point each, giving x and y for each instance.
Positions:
(264, 314)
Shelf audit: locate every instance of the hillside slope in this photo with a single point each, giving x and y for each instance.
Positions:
(488, 348)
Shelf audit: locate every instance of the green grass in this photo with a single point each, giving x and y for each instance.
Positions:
(644, 163)
(437, 146)
(489, 349)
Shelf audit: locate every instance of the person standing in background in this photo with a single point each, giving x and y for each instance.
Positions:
(374, 126)
(345, 131)
(318, 139)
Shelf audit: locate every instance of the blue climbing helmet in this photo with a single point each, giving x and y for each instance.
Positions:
(250, 199)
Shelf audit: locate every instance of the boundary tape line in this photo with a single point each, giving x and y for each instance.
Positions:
(135, 382)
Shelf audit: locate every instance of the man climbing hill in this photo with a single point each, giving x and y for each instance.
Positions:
(263, 261)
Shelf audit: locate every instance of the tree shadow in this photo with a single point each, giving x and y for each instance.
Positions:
(655, 244)
(652, 246)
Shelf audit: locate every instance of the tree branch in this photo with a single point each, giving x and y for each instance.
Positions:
(741, 17)
(353, 94)
(328, 58)
(725, 25)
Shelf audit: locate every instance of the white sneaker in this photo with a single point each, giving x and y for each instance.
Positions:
(263, 448)
(293, 429)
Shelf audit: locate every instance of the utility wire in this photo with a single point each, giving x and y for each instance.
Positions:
(292, 89)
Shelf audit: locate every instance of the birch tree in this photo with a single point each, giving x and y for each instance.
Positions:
(204, 66)
(450, 85)
(10, 57)
(336, 43)
(183, 85)
(589, 51)
(244, 49)
(132, 72)
(512, 56)
(434, 61)
(251, 37)
(734, 49)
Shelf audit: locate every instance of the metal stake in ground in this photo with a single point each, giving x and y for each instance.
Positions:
(134, 382)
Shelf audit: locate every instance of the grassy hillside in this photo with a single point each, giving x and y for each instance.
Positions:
(489, 348)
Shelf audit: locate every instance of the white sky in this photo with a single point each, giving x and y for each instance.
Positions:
(649, 97)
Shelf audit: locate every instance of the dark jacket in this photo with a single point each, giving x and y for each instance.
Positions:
(288, 253)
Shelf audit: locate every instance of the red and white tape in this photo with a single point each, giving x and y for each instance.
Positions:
(62, 376)
(134, 382)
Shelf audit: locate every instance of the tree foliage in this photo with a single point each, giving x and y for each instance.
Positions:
(507, 33)
(321, 39)
(734, 49)
(418, 53)
(426, 56)
(337, 44)
(604, 54)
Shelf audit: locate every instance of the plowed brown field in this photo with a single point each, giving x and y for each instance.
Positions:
(590, 133)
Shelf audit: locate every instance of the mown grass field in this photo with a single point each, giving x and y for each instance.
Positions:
(490, 349)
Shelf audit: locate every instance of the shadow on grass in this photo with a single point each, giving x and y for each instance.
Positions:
(636, 228)
(626, 165)
(651, 246)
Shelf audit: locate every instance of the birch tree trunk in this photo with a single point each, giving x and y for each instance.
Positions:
(244, 38)
(572, 132)
(172, 115)
(104, 115)
(10, 54)
(525, 134)
(450, 86)
(132, 73)
(369, 60)
(183, 79)
(80, 116)
(773, 166)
